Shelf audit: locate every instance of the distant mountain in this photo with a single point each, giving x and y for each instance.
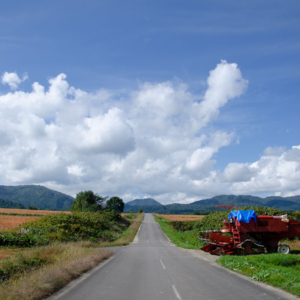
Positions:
(36, 195)
(207, 205)
(10, 204)
(143, 202)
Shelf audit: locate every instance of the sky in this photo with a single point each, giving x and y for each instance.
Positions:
(174, 100)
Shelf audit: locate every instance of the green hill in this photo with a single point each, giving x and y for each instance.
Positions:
(10, 204)
(143, 202)
(36, 195)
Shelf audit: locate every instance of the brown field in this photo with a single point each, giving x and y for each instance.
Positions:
(182, 217)
(31, 212)
(122, 214)
(7, 222)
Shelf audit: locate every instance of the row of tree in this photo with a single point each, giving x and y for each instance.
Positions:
(89, 201)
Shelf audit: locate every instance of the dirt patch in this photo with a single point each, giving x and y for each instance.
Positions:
(30, 212)
(7, 222)
(182, 217)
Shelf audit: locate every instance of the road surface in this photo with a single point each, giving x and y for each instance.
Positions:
(152, 268)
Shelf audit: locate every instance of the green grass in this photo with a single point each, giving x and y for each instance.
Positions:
(186, 239)
(278, 270)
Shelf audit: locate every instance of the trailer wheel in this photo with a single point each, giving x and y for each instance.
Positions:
(284, 249)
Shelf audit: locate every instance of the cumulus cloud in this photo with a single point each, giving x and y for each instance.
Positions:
(12, 79)
(150, 141)
(276, 151)
(274, 174)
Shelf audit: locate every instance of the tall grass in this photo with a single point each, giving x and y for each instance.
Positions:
(62, 262)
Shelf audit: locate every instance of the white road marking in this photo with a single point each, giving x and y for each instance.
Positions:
(176, 292)
(162, 264)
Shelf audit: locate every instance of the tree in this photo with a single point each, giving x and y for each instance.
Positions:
(140, 211)
(88, 201)
(115, 203)
(32, 207)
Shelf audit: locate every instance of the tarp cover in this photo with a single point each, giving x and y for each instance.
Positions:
(243, 215)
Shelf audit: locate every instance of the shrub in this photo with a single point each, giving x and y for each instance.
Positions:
(104, 226)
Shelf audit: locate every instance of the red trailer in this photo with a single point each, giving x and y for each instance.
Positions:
(251, 236)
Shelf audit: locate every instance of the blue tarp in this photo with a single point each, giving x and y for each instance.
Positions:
(243, 215)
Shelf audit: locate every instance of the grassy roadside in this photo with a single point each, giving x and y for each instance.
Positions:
(38, 272)
(276, 269)
(128, 234)
(186, 239)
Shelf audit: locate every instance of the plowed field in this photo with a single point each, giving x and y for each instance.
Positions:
(182, 217)
(30, 212)
(7, 222)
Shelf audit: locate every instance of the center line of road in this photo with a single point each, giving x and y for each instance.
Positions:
(176, 292)
(162, 264)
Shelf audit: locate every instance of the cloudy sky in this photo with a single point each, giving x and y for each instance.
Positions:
(174, 100)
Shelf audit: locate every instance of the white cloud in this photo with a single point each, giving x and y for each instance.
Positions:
(12, 79)
(147, 142)
(277, 174)
(276, 151)
(238, 172)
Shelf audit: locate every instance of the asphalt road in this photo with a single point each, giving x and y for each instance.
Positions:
(152, 268)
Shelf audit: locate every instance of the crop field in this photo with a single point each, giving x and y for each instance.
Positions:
(182, 217)
(30, 212)
(7, 222)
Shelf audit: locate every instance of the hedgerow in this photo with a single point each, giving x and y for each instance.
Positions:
(98, 226)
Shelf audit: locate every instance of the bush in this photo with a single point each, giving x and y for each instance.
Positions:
(183, 225)
(104, 226)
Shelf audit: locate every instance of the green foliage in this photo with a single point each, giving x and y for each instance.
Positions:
(276, 269)
(35, 195)
(32, 207)
(10, 204)
(131, 216)
(115, 203)
(88, 201)
(104, 226)
(140, 211)
(183, 225)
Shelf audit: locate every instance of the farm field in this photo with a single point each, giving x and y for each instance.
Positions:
(182, 217)
(30, 212)
(7, 222)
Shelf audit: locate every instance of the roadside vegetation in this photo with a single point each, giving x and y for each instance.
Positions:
(276, 269)
(187, 239)
(42, 256)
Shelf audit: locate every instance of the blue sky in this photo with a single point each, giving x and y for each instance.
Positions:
(109, 50)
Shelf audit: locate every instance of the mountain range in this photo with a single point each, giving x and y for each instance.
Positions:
(34, 195)
(44, 198)
(207, 205)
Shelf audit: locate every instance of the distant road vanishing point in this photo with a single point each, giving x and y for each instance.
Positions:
(152, 268)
